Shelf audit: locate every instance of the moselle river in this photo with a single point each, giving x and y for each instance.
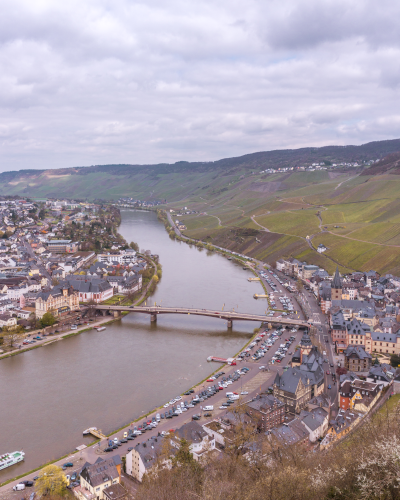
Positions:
(48, 396)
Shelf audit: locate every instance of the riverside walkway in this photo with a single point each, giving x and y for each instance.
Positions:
(229, 316)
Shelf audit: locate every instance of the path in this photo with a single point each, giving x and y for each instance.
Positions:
(346, 180)
(255, 222)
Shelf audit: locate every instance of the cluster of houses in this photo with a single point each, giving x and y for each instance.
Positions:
(40, 273)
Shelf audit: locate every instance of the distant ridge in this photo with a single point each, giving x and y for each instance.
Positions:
(181, 179)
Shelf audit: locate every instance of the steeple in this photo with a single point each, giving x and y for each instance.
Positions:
(336, 286)
(336, 282)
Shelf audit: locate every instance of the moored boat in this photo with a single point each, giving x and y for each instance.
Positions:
(87, 431)
(9, 459)
(101, 328)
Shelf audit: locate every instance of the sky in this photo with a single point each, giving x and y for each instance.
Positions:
(88, 82)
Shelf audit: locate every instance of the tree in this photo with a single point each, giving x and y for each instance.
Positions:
(42, 214)
(156, 279)
(395, 360)
(52, 481)
(299, 285)
(47, 319)
(134, 246)
(11, 336)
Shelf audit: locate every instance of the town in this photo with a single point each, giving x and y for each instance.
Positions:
(58, 257)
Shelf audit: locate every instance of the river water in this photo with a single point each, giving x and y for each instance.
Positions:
(48, 396)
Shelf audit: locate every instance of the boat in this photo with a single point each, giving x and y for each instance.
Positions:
(87, 431)
(101, 328)
(9, 459)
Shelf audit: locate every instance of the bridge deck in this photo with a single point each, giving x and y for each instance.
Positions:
(227, 315)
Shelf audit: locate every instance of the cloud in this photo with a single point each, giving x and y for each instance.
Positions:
(88, 82)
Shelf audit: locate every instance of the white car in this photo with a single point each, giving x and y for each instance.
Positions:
(261, 367)
(166, 405)
(243, 393)
(178, 398)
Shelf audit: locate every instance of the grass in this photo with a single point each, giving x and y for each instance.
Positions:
(299, 223)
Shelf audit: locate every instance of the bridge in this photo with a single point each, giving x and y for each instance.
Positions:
(229, 316)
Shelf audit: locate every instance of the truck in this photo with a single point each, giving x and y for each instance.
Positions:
(19, 487)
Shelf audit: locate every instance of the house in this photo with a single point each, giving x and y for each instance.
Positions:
(98, 481)
(146, 456)
(356, 359)
(200, 441)
(293, 433)
(340, 427)
(7, 321)
(363, 395)
(382, 375)
(266, 411)
(316, 422)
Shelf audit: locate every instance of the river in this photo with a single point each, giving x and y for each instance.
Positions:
(48, 396)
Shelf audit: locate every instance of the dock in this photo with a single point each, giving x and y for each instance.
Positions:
(97, 433)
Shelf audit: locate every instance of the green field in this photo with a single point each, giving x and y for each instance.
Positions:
(299, 223)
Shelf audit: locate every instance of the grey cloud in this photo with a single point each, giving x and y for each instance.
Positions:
(86, 82)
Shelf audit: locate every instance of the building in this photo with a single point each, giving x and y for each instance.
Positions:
(298, 384)
(356, 359)
(60, 300)
(316, 422)
(336, 286)
(100, 480)
(200, 441)
(90, 289)
(266, 412)
(62, 246)
(146, 456)
(123, 258)
(6, 320)
(345, 421)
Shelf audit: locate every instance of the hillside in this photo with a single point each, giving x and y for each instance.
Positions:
(182, 179)
(355, 216)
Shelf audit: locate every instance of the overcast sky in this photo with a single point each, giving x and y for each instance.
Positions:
(86, 82)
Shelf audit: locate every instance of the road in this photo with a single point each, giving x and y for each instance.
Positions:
(38, 260)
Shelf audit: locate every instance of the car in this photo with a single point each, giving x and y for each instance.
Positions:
(210, 380)
(109, 448)
(328, 372)
(195, 417)
(27, 483)
(115, 440)
(130, 448)
(73, 476)
(208, 414)
(124, 440)
(329, 387)
(262, 367)
(70, 464)
(35, 478)
(331, 365)
(243, 393)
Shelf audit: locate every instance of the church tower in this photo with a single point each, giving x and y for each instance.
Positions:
(336, 286)
(305, 346)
